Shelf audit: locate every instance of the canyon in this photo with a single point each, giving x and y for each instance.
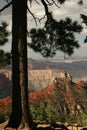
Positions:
(41, 74)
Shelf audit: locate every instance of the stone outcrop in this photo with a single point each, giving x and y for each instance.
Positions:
(63, 75)
(7, 73)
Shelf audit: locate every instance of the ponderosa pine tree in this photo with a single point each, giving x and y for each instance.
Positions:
(20, 117)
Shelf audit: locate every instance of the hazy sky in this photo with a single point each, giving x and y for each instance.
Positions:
(69, 9)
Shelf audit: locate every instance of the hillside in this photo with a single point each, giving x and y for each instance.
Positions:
(63, 100)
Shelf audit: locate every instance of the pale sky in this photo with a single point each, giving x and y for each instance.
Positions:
(69, 9)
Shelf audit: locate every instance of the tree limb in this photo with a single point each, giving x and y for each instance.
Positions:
(37, 2)
(35, 18)
(49, 3)
(6, 6)
(55, 3)
(46, 7)
(32, 15)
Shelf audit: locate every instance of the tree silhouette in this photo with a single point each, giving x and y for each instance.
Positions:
(56, 35)
(4, 56)
(84, 18)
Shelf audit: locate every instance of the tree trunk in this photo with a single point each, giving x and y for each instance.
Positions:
(20, 116)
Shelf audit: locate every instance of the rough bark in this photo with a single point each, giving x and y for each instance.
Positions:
(20, 116)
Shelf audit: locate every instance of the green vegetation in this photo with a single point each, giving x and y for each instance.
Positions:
(43, 112)
(56, 35)
(4, 56)
(84, 18)
(4, 115)
(48, 113)
(67, 105)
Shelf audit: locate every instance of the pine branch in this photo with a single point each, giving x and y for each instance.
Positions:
(32, 15)
(46, 7)
(6, 6)
(55, 3)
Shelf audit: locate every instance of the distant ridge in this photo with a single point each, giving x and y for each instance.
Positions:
(76, 67)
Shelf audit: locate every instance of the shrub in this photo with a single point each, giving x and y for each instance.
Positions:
(4, 115)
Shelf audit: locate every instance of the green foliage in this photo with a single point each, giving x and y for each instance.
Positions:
(5, 57)
(48, 113)
(45, 112)
(56, 35)
(84, 18)
(3, 33)
(4, 116)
